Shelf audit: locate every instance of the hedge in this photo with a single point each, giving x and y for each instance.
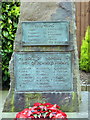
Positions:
(85, 52)
(9, 16)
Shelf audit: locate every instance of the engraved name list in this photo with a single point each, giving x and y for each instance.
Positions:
(45, 71)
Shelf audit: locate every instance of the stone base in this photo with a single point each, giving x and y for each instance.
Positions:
(18, 101)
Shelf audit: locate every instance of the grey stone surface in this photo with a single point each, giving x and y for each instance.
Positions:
(83, 114)
(69, 100)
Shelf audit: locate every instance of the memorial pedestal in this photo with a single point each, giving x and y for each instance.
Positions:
(44, 64)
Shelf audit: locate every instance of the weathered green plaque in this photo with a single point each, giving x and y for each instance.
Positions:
(43, 71)
(45, 33)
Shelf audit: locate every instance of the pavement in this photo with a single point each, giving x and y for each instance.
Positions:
(83, 114)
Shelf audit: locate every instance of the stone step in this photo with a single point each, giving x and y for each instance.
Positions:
(85, 87)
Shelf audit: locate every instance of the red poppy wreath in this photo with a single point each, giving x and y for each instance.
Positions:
(42, 111)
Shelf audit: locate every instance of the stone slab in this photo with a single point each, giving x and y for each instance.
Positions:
(67, 101)
(45, 33)
(43, 71)
(82, 114)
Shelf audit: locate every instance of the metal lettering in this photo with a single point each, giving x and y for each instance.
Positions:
(47, 68)
(45, 33)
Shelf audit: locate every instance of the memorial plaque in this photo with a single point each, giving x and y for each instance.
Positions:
(43, 71)
(45, 33)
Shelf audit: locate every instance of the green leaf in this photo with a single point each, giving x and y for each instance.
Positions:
(44, 114)
(9, 16)
(39, 115)
(85, 50)
(35, 115)
(50, 115)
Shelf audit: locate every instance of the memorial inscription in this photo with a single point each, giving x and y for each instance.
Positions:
(43, 71)
(45, 33)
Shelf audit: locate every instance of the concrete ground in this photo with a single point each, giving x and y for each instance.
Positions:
(84, 113)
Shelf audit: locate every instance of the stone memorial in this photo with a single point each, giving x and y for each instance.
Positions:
(44, 64)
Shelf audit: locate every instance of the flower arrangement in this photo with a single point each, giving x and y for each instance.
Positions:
(40, 110)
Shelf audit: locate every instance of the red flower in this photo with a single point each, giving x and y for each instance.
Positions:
(57, 106)
(39, 110)
(31, 117)
(60, 115)
(47, 104)
(37, 104)
(35, 112)
(52, 107)
(21, 115)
